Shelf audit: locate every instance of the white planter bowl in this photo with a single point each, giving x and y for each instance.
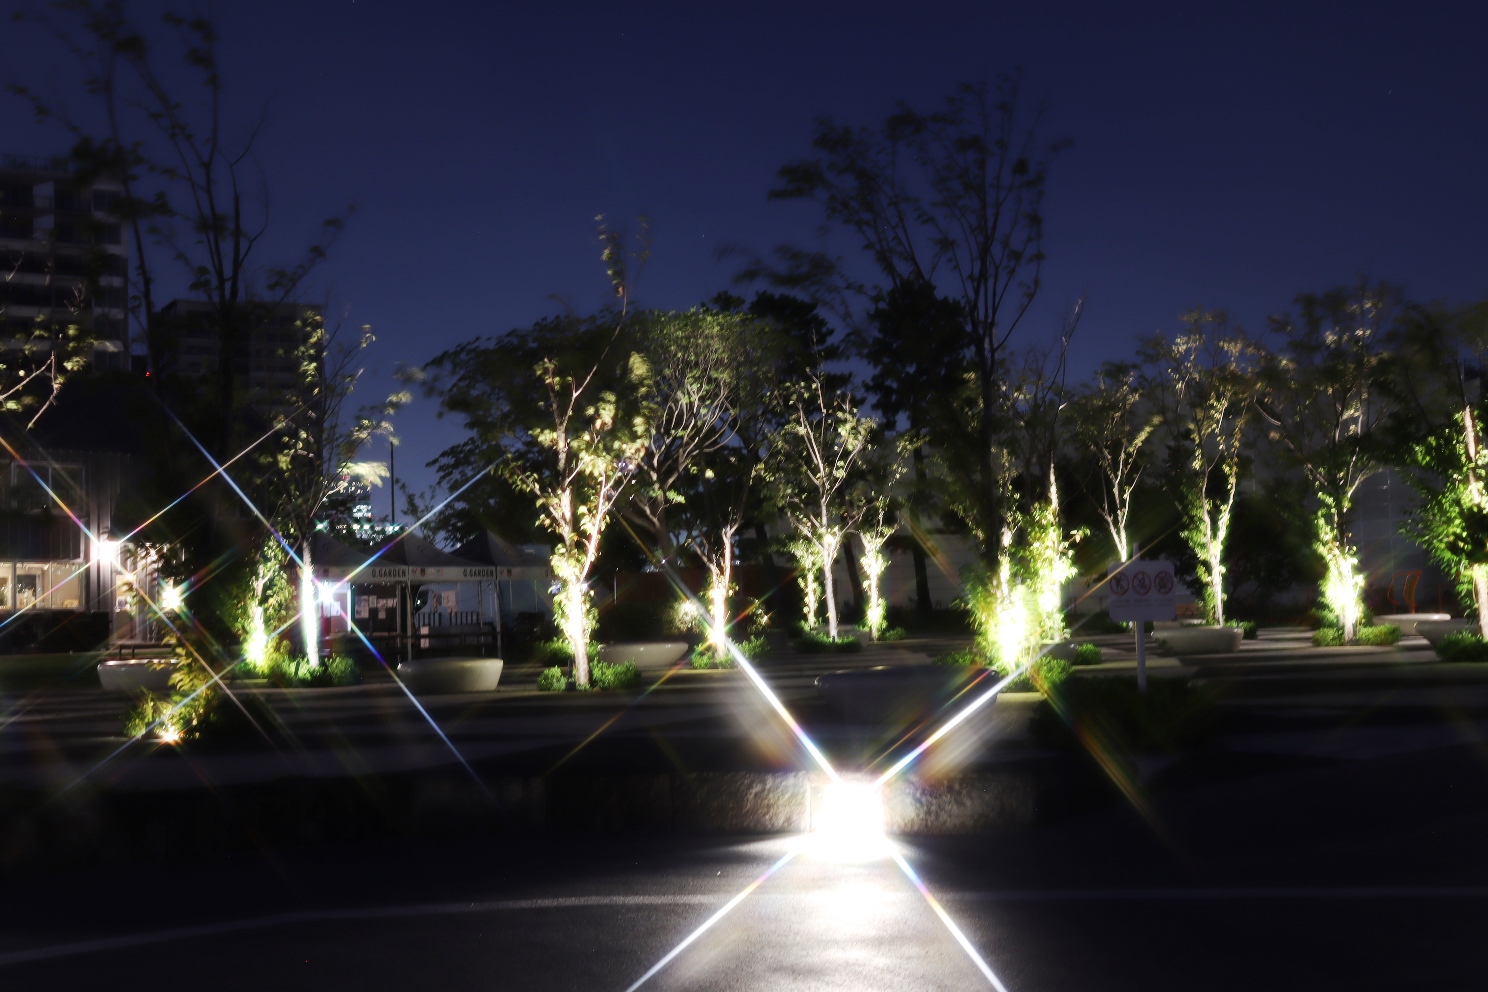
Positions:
(648, 656)
(136, 675)
(1407, 621)
(1435, 630)
(1211, 639)
(434, 676)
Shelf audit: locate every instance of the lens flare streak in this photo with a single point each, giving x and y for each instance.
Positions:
(950, 924)
(720, 914)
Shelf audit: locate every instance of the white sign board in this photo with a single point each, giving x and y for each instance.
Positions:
(1142, 590)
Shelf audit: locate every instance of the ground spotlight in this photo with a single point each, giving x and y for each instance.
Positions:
(849, 824)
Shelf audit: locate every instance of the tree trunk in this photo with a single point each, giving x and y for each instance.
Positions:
(309, 609)
(1480, 593)
(829, 559)
(916, 550)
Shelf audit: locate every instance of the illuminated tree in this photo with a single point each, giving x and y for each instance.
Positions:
(563, 409)
(1324, 401)
(1437, 362)
(952, 198)
(815, 463)
(1206, 378)
(1112, 423)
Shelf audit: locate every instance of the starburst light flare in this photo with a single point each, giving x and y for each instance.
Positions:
(708, 923)
(950, 924)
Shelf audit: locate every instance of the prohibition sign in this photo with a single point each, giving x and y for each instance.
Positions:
(1164, 583)
(1119, 584)
(1141, 583)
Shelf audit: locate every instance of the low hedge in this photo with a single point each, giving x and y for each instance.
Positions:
(1463, 645)
(1110, 713)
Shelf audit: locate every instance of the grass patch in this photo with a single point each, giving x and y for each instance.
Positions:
(1110, 713)
(1463, 645)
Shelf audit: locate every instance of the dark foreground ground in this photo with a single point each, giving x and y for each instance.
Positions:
(1352, 876)
(1330, 837)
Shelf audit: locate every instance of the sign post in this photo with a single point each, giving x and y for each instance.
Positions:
(1141, 591)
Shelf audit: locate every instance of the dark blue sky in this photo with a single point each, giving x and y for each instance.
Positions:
(1229, 155)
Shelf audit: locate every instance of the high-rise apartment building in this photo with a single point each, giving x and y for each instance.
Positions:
(63, 258)
(267, 355)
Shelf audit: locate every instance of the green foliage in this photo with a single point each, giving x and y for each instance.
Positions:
(1380, 635)
(705, 657)
(812, 642)
(1451, 521)
(1087, 654)
(892, 634)
(1328, 637)
(553, 679)
(1250, 628)
(558, 652)
(1110, 714)
(293, 671)
(1463, 645)
(603, 675)
(963, 658)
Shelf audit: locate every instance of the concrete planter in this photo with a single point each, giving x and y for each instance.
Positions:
(1210, 639)
(1407, 621)
(433, 676)
(891, 693)
(1435, 630)
(648, 656)
(136, 675)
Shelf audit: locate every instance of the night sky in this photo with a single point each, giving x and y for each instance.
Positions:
(1226, 156)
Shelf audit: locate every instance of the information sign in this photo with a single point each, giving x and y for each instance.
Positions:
(1141, 591)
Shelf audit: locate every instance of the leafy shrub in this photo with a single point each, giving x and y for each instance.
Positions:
(892, 634)
(1328, 637)
(1251, 629)
(293, 671)
(964, 658)
(812, 642)
(1380, 635)
(603, 675)
(552, 679)
(1463, 645)
(1087, 654)
(705, 657)
(556, 652)
(1111, 713)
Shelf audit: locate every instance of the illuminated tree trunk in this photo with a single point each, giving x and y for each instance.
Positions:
(831, 540)
(309, 609)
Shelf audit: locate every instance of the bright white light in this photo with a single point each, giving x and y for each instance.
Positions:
(327, 593)
(172, 597)
(168, 733)
(106, 550)
(850, 823)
